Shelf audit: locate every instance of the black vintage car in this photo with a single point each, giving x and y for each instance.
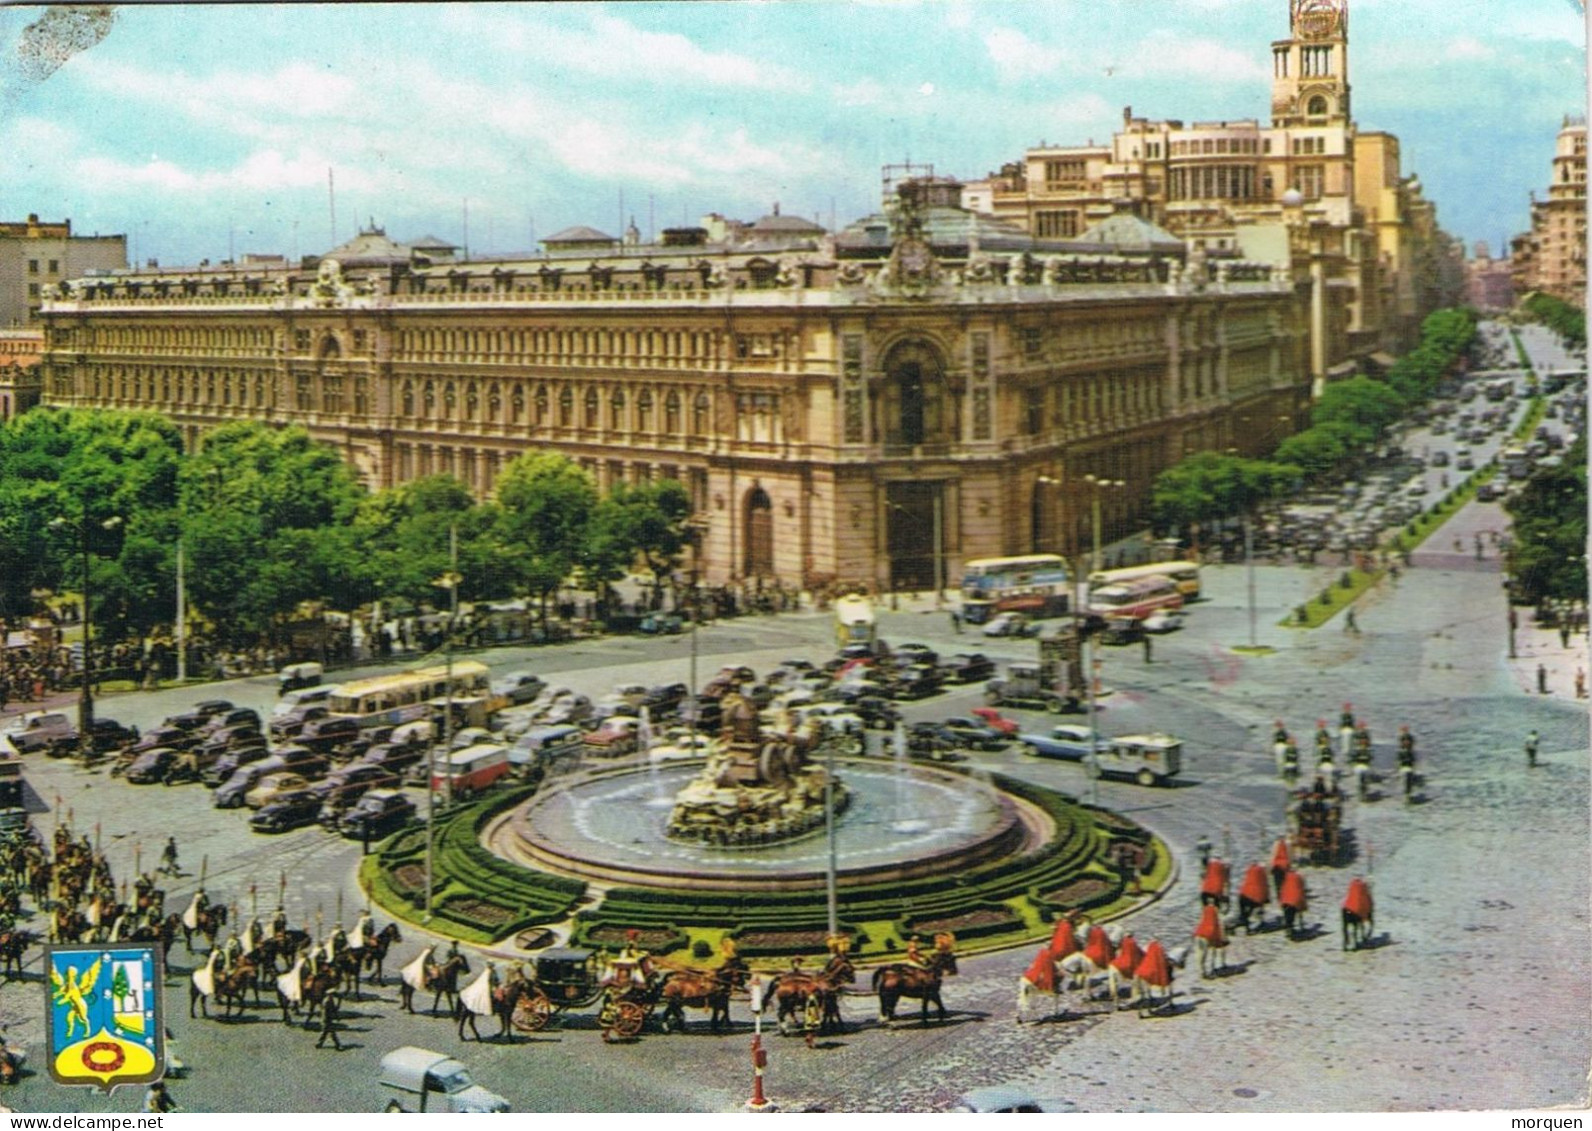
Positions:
(967, 667)
(292, 811)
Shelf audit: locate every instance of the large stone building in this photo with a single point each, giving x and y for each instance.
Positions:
(21, 369)
(925, 386)
(1551, 257)
(1309, 191)
(36, 255)
(1489, 282)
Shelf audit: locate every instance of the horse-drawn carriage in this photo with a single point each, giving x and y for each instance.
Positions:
(1314, 818)
(571, 978)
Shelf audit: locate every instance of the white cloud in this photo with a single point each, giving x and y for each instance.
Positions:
(1164, 54)
(1017, 57)
(1468, 47)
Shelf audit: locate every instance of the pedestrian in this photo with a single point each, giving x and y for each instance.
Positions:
(1349, 623)
(1478, 547)
(157, 1099)
(1531, 749)
(1147, 649)
(331, 1008)
(168, 857)
(1580, 683)
(1564, 634)
(1542, 680)
(956, 622)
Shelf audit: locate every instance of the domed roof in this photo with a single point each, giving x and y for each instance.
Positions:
(371, 248)
(785, 225)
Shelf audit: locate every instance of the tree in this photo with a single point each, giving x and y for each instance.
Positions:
(545, 508)
(1210, 485)
(405, 531)
(1359, 402)
(647, 520)
(120, 989)
(1547, 560)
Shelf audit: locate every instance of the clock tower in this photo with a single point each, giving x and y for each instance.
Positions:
(1310, 69)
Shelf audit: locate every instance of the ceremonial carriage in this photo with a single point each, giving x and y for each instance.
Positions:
(573, 978)
(1314, 818)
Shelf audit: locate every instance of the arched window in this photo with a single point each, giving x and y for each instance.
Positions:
(759, 533)
(616, 410)
(409, 398)
(916, 409)
(1317, 107)
(517, 404)
(494, 401)
(541, 404)
(701, 414)
(566, 407)
(592, 409)
(671, 412)
(428, 396)
(472, 401)
(644, 411)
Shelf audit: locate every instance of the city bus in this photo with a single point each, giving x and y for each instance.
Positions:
(1185, 575)
(1037, 585)
(1135, 600)
(388, 700)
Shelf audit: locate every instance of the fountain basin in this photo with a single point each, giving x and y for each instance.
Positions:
(902, 822)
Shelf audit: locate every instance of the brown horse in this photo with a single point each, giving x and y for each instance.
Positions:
(442, 978)
(701, 989)
(792, 989)
(375, 951)
(210, 921)
(67, 924)
(13, 945)
(899, 980)
(277, 952)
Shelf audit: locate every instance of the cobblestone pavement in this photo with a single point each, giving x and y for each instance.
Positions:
(1477, 996)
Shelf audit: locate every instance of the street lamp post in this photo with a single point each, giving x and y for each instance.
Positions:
(1099, 485)
(450, 581)
(85, 703)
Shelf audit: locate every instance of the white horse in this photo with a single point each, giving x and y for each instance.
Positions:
(1027, 991)
(1145, 995)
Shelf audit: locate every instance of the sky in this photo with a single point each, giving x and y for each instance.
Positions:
(208, 131)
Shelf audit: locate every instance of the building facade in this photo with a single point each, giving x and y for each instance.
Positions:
(874, 406)
(1551, 257)
(1489, 282)
(1308, 190)
(35, 256)
(21, 371)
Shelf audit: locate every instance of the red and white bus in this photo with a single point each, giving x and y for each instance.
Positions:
(1135, 599)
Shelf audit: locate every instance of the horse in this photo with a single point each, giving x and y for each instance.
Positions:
(67, 924)
(347, 966)
(13, 945)
(276, 950)
(1358, 915)
(207, 921)
(1042, 978)
(441, 978)
(1155, 973)
(375, 951)
(478, 999)
(202, 984)
(898, 980)
(290, 989)
(700, 989)
(792, 989)
(232, 987)
(1211, 943)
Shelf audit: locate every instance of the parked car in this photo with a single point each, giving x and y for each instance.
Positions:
(686, 745)
(519, 687)
(286, 811)
(230, 793)
(235, 717)
(875, 711)
(294, 677)
(273, 785)
(292, 701)
(546, 745)
(351, 781)
(217, 743)
(226, 765)
(393, 756)
(1067, 740)
(967, 667)
(105, 736)
(916, 654)
(293, 723)
(163, 735)
(664, 699)
(974, 733)
(151, 766)
(326, 735)
(1122, 630)
(915, 681)
(377, 813)
(615, 737)
(932, 741)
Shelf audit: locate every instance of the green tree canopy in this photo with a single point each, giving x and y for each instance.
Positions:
(545, 508)
(646, 521)
(1548, 555)
(1210, 485)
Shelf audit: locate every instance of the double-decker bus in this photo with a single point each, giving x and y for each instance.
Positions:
(1185, 575)
(387, 700)
(1037, 585)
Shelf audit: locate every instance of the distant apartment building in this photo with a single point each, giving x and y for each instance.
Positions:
(1551, 257)
(37, 255)
(21, 371)
(1489, 285)
(1310, 192)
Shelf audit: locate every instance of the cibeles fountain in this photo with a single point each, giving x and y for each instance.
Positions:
(758, 788)
(752, 816)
